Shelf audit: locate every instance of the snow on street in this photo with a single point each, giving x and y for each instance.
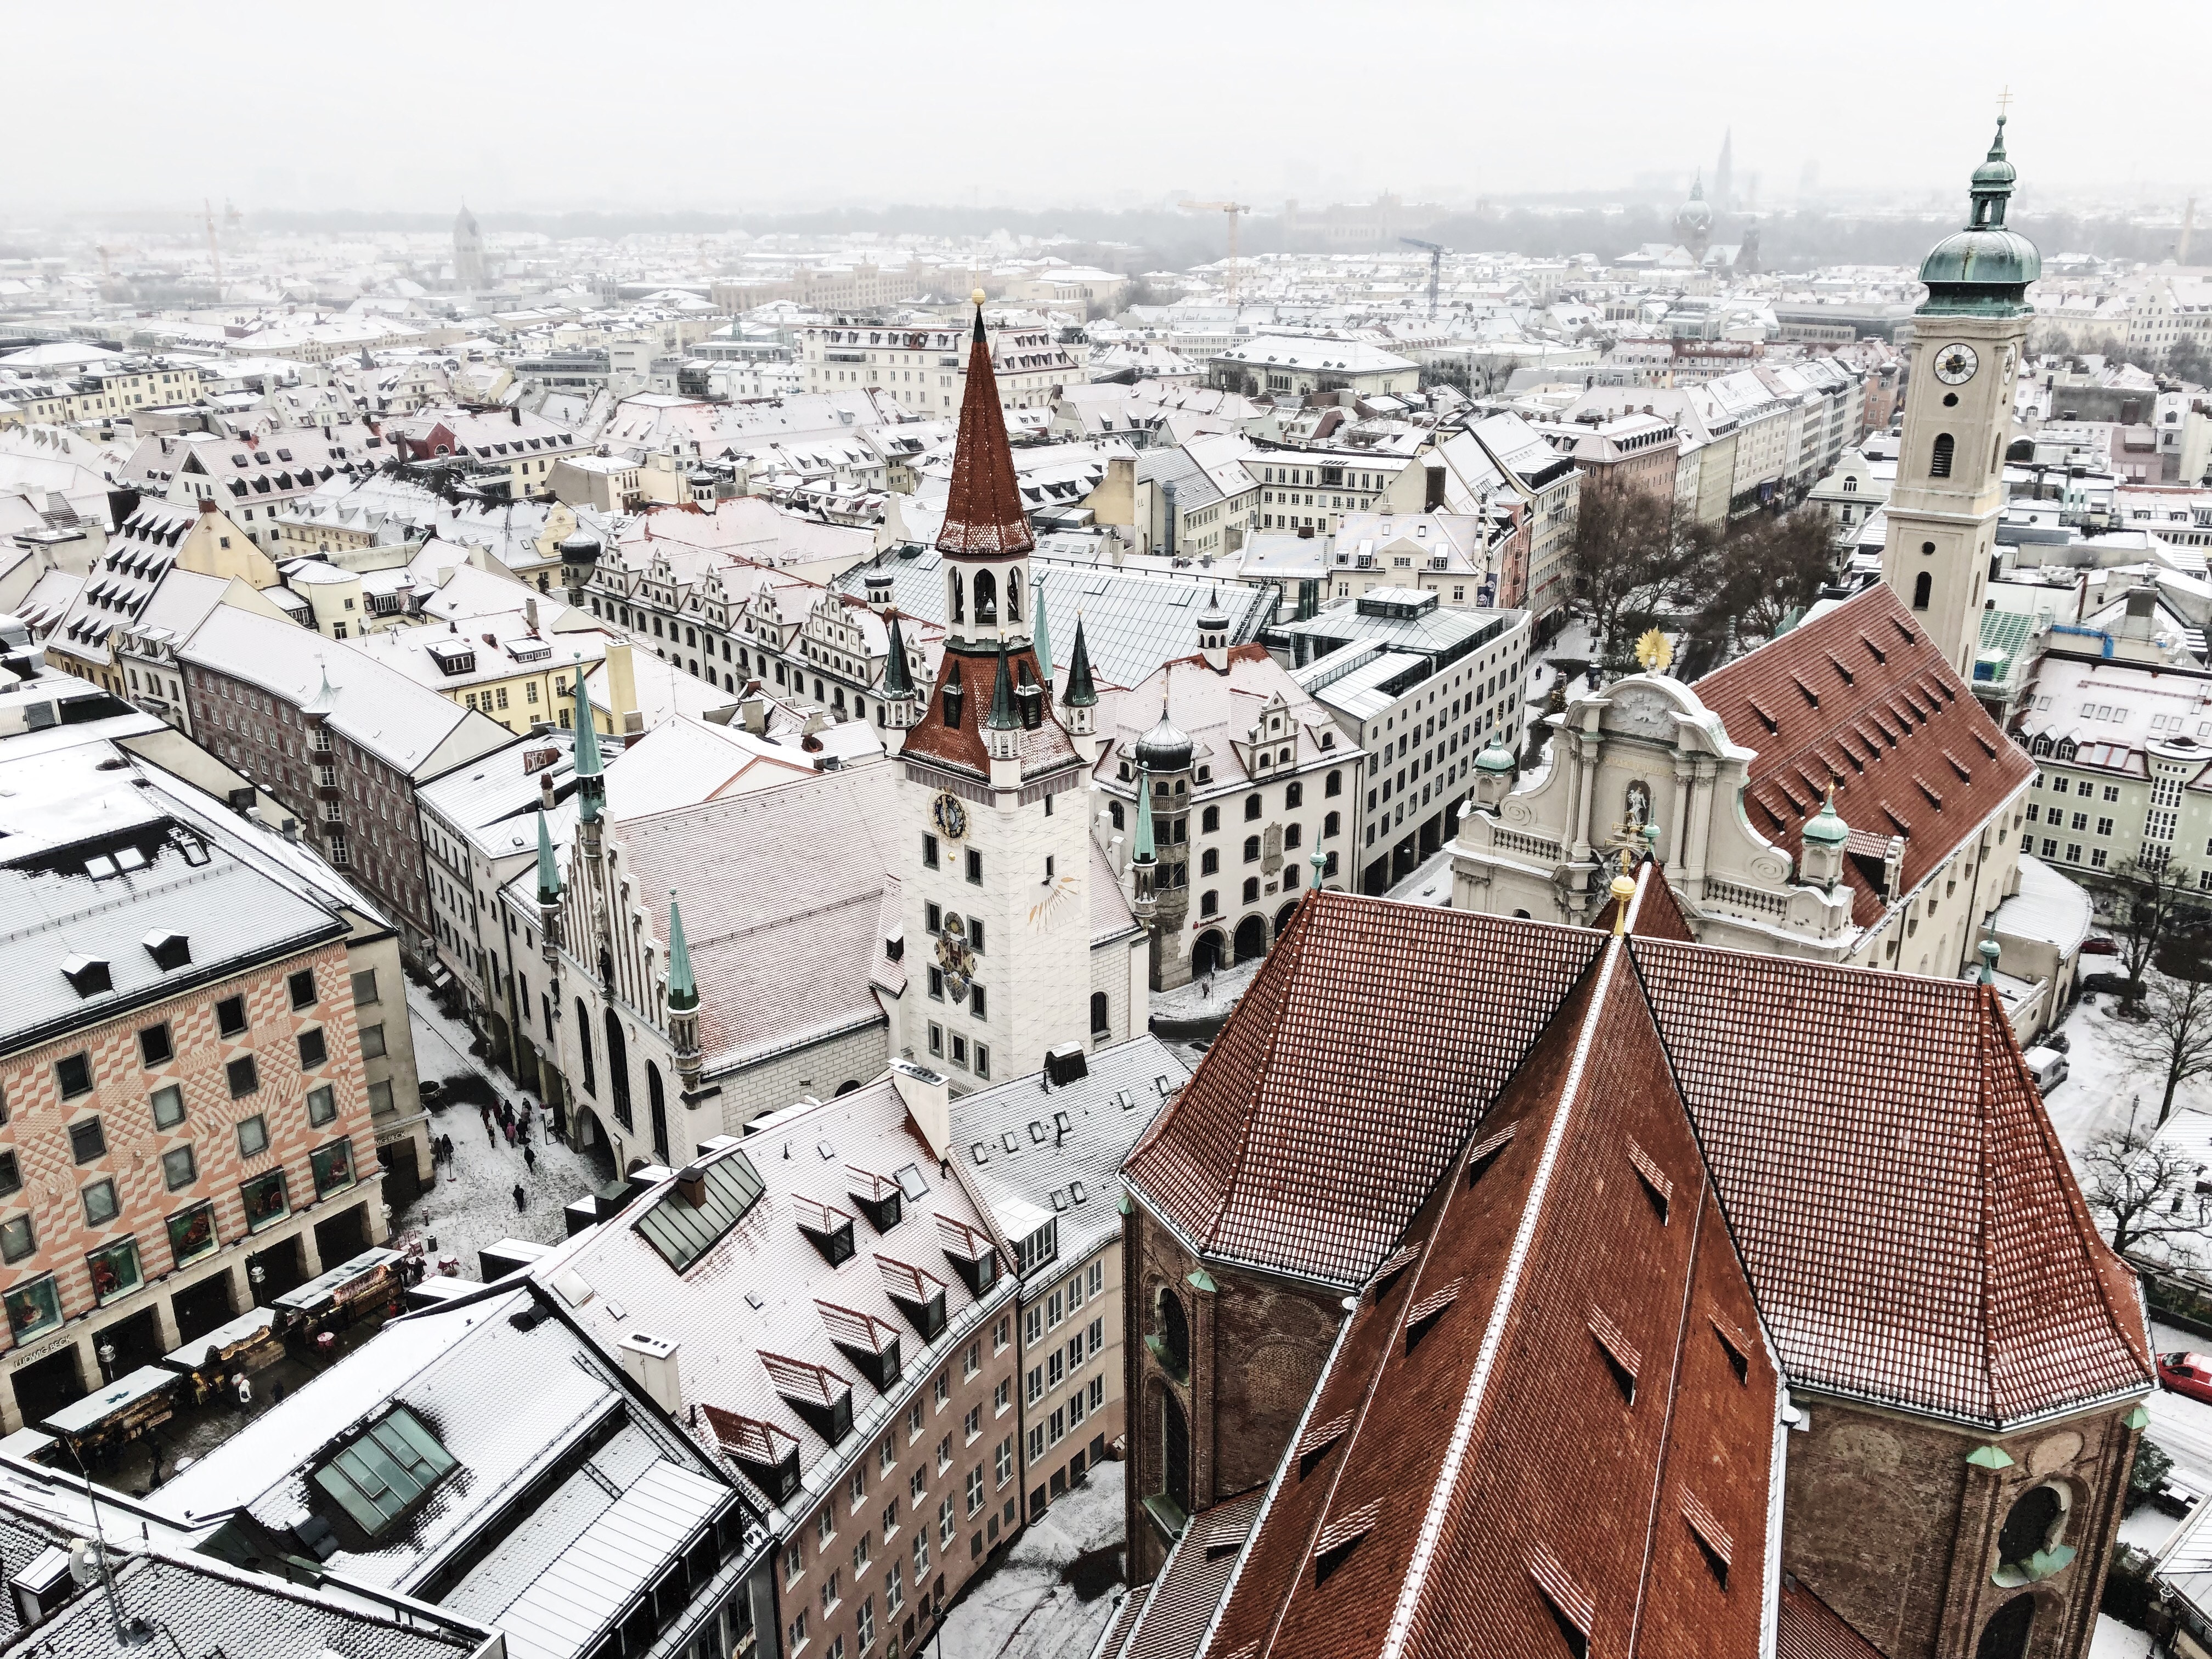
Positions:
(472, 1204)
(1025, 1608)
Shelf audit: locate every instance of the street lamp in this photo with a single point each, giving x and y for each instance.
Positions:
(259, 1275)
(106, 1352)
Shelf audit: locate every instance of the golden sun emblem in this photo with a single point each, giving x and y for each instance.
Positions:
(1654, 652)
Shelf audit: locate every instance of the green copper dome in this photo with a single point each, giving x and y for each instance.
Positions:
(1984, 270)
(1496, 757)
(1827, 827)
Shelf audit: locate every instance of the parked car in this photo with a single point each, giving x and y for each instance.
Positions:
(2098, 946)
(2113, 985)
(2048, 1067)
(2187, 1373)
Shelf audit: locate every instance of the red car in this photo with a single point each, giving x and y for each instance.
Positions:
(2187, 1373)
(2098, 946)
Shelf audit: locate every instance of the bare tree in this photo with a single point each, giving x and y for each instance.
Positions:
(2173, 1042)
(1773, 566)
(1627, 559)
(2146, 898)
(2144, 1194)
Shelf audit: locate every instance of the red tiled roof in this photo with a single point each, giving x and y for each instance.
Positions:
(1808, 1628)
(1900, 1199)
(1173, 1620)
(1363, 1050)
(1863, 696)
(983, 512)
(1473, 1451)
(961, 746)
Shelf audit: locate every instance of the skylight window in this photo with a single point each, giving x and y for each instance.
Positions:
(380, 1477)
(683, 1230)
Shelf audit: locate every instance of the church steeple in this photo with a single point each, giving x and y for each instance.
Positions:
(548, 896)
(590, 775)
(683, 999)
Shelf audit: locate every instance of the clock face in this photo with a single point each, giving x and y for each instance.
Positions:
(950, 815)
(1956, 363)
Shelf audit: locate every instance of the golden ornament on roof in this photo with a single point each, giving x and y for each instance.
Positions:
(1655, 652)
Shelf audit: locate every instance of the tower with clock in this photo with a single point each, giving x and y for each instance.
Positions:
(1968, 338)
(997, 905)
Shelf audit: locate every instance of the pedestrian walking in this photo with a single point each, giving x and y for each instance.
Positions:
(491, 1135)
(529, 1158)
(521, 1198)
(245, 1389)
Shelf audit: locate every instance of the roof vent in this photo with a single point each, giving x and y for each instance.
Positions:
(170, 950)
(1063, 1065)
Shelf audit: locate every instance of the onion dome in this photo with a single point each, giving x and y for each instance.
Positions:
(1214, 618)
(1495, 758)
(1696, 212)
(579, 543)
(1984, 270)
(1164, 748)
(1826, 827)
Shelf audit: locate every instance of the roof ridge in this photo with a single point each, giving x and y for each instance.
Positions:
(1986, 1104)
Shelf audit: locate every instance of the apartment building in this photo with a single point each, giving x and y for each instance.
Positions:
(253, 479)
(925, 365)
(1420, 688)
(502, 446)
(189, 1126)
(1043, 1154)
(343, 741)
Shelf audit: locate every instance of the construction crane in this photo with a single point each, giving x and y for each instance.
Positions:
(1232, 209)
(1435, 260)
(206, 210)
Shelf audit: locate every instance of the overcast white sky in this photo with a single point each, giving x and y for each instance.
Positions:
(557, 104)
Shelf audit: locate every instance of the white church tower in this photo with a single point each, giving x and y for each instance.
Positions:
(993, 793)
(1968, 337)
(468, 252)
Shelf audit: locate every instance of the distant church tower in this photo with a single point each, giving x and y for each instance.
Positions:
(468, 252)
(1724, 174)
(1693, 221)
(1967, 347)
(994, 794)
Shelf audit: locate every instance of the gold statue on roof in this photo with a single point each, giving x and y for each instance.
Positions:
(1654, 652)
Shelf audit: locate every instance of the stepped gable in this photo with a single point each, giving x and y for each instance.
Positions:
(1438, 1496)
(1363, 1051)
(983, 511)
(1862, 696)
(1900, 1199)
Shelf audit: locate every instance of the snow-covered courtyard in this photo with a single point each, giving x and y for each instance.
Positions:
(1027, 1608)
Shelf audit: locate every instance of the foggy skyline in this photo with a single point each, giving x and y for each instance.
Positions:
(559, 107)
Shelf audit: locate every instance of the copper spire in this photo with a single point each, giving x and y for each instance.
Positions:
(983, 515)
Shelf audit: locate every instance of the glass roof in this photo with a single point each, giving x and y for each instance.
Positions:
(682, 1232)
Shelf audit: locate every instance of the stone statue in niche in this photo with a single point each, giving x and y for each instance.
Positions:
(1638, 813)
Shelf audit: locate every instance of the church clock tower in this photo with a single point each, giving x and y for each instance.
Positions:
(1967, 341)
(997, 896)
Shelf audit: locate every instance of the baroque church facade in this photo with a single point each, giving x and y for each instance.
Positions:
(1604, 1280)
(1838, 793)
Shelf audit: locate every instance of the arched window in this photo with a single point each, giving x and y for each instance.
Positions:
(1114, 813)
(959, 599)
(1335, 786)
(1330, 825)
(1251, 807)
(1251, 849)
(1102, 1017)
(1173, 1329)
(657, 1102)
(2005, 1636)
(1251, 889)
(2031, 1526)
(986, 597)
(1939, 460)
(1014, 594)
(1209, 902)
(584, 1044)
(1921, 584)
(2041, 746)
(1293, 835)
(1209, 861)
(618, 1070)
(1851, 486)
(1175, 1453)
(1209, 822)
(1294, 794)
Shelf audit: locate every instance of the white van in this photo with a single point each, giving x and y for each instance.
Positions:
(2049, 1067)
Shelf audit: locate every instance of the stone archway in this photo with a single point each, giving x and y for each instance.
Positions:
(1205, 953)
(1251, 938)
(1283, 917)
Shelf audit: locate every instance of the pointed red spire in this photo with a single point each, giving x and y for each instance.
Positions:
(983, 514)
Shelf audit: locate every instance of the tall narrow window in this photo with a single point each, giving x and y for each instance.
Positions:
(1921, 584)
(1938, 461)
(618, 1070)
(584, 1044)
(657, 1101)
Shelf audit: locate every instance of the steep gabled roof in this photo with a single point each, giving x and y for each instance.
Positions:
(1566, 1330)
(1360, 1053)
(1863, 696)
(1900, 1197)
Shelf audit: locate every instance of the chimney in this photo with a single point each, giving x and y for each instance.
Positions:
(691, 1185)
(1432, 496)
(928, 1100)
(515, 410)
(622, 688)
(206, 504)
(530, 613)
(650, 1362)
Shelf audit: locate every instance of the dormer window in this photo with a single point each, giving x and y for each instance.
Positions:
(381, 1477)
(829, 1229)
